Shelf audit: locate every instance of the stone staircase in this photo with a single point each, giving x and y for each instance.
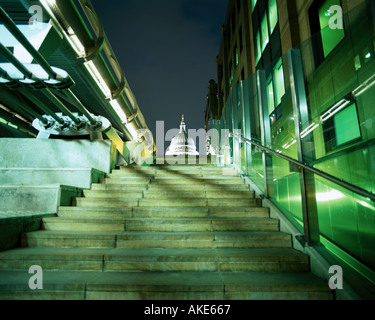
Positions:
(162, 232)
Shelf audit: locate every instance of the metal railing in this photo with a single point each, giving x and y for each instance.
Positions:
(333, 179)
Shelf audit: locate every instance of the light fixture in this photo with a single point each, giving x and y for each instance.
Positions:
(335, 109)
(69, 35)
(309, 129)
(132, 131)
(119, 111)
(287, 146)
(364, 86)
(98, 79)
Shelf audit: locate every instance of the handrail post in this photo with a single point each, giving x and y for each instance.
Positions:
(301, 116)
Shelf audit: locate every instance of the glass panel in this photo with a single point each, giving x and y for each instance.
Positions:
(264, 32)
(331, 37)
(271, 96)
(273, 15)
(253, 4)
(258, 50)
(279, 81)
(346, 125)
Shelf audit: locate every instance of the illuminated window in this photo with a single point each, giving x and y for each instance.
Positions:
(231, 72)
(264, 32)
(330, 37)
(279, 84)
(342, 128)
(273, 15)
(258, 49)
(253, 4)
(275, 87)
(271, 96)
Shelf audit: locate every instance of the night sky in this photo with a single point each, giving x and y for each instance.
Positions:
(168, 51)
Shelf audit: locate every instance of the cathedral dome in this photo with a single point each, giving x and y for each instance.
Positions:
(182, 144)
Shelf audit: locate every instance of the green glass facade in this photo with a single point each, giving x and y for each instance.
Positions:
(336, 133)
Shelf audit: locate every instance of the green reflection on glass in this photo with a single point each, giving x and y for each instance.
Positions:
(330, 37)
(265, 35)
(273, 16)
(346, 125)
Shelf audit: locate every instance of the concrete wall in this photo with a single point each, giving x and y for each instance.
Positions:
(79, 178)
(41, 153)
(20, 200)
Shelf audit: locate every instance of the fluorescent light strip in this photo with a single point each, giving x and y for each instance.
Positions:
(288, 146)
(71, 37)
(335, 109)
(132, 131)
(119, 111)
(308, 130)
(77, 45)
(99, 79)
(364, 86)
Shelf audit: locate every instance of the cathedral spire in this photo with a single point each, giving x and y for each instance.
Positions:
(183, 125)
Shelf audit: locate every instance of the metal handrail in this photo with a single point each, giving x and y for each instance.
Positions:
(11, 26)
(333, 179)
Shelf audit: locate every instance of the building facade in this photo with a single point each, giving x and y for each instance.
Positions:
(297, 77)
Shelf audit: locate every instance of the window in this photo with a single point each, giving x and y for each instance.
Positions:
(258, 49)
(253, 4)
(238, 96)
(279, 84)
(273, 15)
(342, 128)
(264, 32)
(330, 37)
(271, 96)
(231, 72)
(275, 86)
(265, 22)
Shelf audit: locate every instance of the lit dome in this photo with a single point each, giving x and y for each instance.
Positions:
(182, 144)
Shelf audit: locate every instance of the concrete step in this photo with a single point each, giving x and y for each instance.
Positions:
(135, 240)
(194, 202)
(168, 225)
(166, 202)
(173, 173)
(81, 285)
(198, 181)
(126, 181)
(163, 212)
(208, 187)
(119, 187)
(95, 212)
(160, 260)
(165, 194)
(160, 194)
(202, 177)
(172, 181)
(109, 203)
(112, 194)
(142, 187)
